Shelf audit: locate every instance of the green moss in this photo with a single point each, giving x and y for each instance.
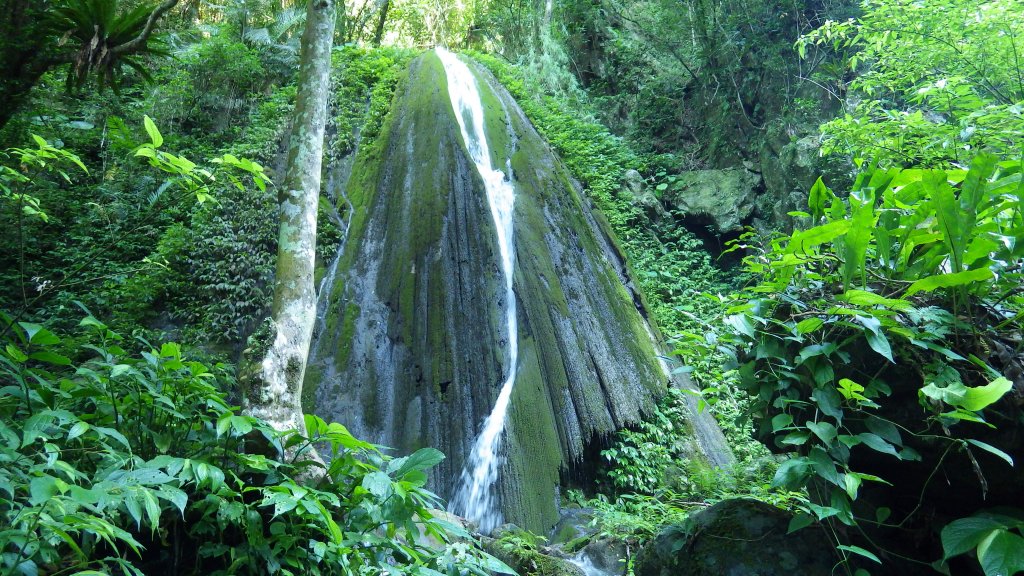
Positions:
(313, 378)
(522, 551)
(348, 328)
(536, 450)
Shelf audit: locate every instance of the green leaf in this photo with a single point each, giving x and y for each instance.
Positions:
(796, 438)
(851, 390)
(885, 429)
(378, 484)
(820, 195)
(876, 442)
(154, 133)
(864, 298)
(991, 450)
(792, 473)
(16, 354)
(170, 350)
(980, 397)
(315, 425)
(859, 236)
(43, 488)
(852, 483)
(152, 509)
(77, 430)
(421, 460)
(823, 430)
(38, 335)
(949, 280)
(1003, 555)
(876, 338)
(741, 323)
(963, 535)
(781, 422)
(799, 521)
(51, 358)
(332, 526)
(824, 466)
(809, 325)
(807, 239)
(120, 370)
(859, 551)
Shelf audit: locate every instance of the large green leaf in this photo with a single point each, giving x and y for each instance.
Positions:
(154, 133)
(859, 236)
(991, 450)
(421, 460)
(1002, 554)
(875, 336)
(949, 280)
(980, 397)
(803, 241)
(963, 535)
(792, 473)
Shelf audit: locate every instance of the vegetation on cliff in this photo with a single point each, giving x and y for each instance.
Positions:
(859, 342)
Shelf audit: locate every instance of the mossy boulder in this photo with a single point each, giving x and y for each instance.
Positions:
(523, 552)
(739, 537)
(727, 197)
(633, 184)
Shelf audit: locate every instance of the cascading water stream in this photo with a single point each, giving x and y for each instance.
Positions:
(474, 497)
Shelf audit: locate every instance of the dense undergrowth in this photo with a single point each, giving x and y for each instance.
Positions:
(876, 350)
(122, 457)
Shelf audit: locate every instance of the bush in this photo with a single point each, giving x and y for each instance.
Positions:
(127, 463)
(885, 333)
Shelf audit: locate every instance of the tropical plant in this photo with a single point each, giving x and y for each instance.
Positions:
(19, 170)
(936, 81)
(95, 37)
(906, 291)
(107, 38)
(121, 462)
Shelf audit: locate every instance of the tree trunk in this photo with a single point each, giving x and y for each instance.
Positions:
(22, 51)
(382, 17)
(273, 388)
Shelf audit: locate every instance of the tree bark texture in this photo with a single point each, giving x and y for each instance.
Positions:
(274, 387)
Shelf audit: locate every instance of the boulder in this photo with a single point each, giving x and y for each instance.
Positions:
(739, 537)
(606, 555)
(727, 197)
(524, 552)
(633, 184)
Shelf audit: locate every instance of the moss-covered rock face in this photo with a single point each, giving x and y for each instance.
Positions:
(728, 197)
(414, 352)
(740, 537)
(524, 554)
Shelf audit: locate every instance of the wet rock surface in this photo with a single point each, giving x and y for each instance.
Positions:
(740, 537)
(727, 197)
(412, 349)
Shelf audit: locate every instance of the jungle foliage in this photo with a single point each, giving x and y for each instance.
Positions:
(875, 349)
(902, 297)
(935, 82)
(124, 457)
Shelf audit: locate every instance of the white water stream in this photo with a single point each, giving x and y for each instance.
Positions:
(474, 498)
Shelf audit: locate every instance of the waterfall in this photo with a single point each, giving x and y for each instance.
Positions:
(474, 498)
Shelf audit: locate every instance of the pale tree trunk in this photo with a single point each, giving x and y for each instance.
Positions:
(273, 387)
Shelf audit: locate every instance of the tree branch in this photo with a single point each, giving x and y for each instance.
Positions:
(139, 42)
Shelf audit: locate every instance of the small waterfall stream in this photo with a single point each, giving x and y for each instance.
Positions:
(474, 497)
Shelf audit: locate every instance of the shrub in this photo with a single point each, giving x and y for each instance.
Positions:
(906, 293)
(127, 463)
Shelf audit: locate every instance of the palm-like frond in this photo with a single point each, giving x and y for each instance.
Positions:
(95, 28)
